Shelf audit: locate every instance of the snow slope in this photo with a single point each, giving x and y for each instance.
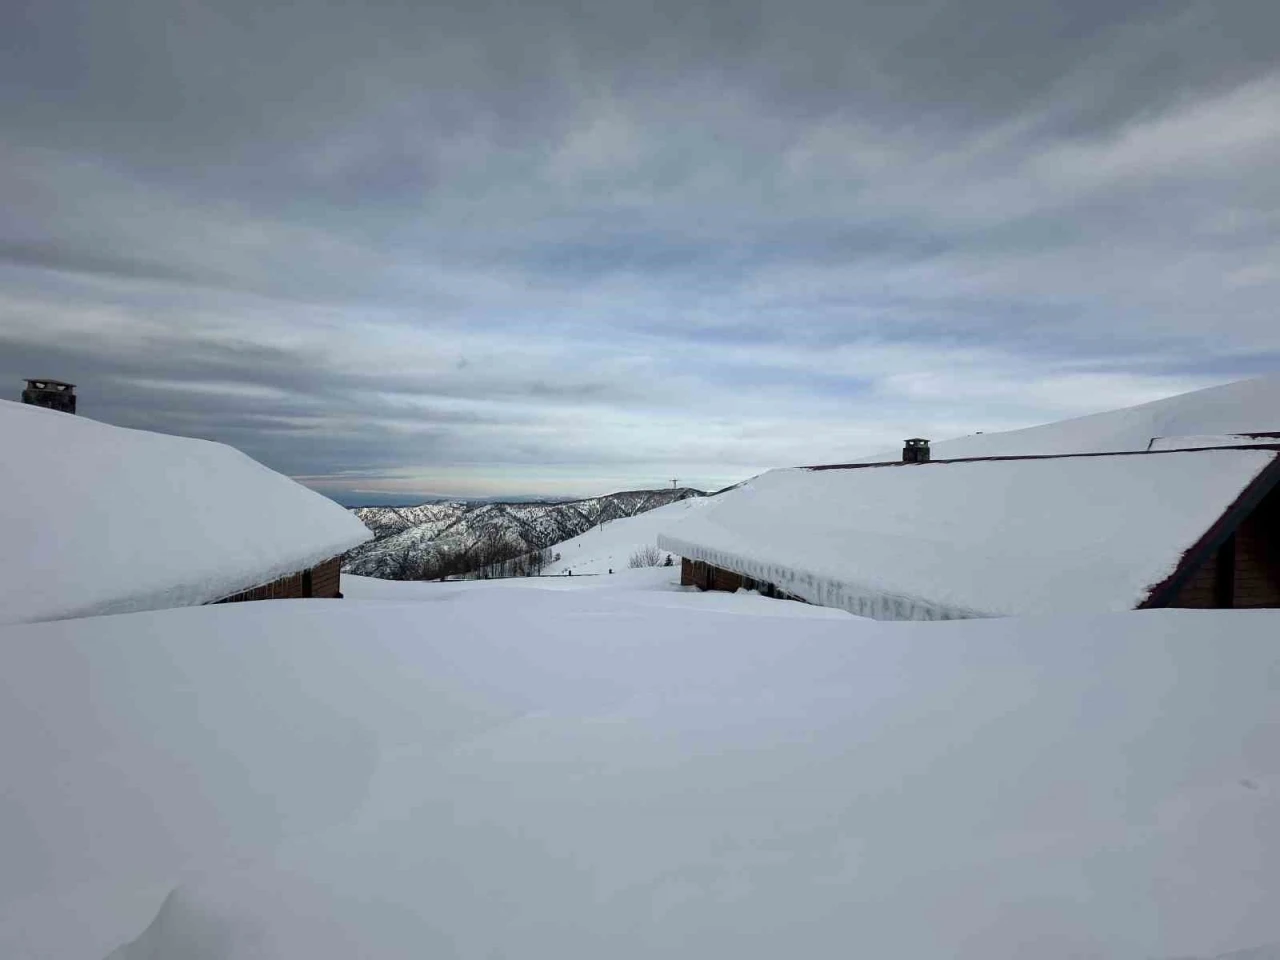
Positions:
(611, 546)
(646, 587)
(411, 540)
(1245, 407)
(583, 774)
(982, 538)
(99, 519)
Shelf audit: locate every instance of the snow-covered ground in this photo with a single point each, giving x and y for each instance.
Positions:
(634, 589)
(619, 768)
(611, 547)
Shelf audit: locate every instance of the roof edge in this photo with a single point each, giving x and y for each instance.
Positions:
(1273, 447)
(1273, 435)
(1162, 593)
(825, 590)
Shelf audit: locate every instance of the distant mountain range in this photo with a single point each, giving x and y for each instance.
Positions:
(384, 499)
(434, 539)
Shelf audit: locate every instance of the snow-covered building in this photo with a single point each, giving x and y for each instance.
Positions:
(1000, 536)
(97, 519)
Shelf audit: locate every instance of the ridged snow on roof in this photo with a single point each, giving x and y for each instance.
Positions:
(958, 539)
(1235, 408)
(1214, 440)
(96, 519)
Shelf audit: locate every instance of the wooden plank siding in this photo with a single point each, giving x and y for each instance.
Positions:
(322, 580)
(705, 576)
(1257, 566)
(327, 578)
(687, 573)
(1200, 591)
(1252, 579)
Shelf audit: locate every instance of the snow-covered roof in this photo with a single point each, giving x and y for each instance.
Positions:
(1243, 407)
(972, 537)
(1214, 440)
(99, 519)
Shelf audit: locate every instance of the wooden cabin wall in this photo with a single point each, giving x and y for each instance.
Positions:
(1200, 592)
(1253, 578)
(326, 578)
(322, 580)
(1257, 566)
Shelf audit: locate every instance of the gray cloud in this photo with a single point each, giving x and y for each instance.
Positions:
(549, 248)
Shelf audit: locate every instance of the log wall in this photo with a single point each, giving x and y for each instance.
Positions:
(322, 580)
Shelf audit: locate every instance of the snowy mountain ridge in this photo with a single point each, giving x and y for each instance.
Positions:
(409, 542)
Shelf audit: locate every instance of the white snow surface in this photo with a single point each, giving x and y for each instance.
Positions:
(986, 538)
(479, 770)
(99, 519)
(647, 586)
(1219, 440)
(611, 546)
(1249, 406)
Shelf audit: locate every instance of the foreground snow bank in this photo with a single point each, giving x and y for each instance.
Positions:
(520, 772)
(637, 590)
(612, 545)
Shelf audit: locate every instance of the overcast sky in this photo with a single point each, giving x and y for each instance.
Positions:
(480, 248)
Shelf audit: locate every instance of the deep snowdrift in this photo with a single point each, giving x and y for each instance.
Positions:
(580, 773)
(646, 587)
(99, 519)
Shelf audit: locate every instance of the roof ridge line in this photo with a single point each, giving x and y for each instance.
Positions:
(1272, 447)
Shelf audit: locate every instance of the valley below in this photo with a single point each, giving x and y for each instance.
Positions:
(458, 537)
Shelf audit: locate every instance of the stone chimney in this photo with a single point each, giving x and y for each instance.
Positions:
(53, 394)
(915, 450)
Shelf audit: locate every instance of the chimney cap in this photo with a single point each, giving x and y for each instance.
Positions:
(916, 450)
(50, 394)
